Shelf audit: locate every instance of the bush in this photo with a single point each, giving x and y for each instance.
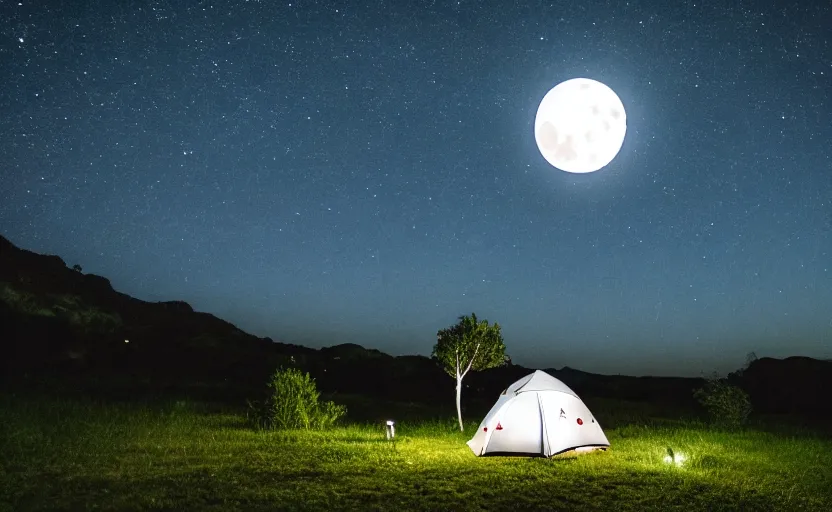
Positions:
(294, 403)
(726, 404)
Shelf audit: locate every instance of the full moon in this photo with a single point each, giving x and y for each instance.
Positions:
(580, 125)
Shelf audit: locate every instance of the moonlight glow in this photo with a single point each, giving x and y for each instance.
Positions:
(580, 125)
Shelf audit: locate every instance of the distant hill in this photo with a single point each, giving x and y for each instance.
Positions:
(794, 385)
(59, 323)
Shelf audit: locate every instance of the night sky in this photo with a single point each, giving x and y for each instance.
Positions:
(366, 172)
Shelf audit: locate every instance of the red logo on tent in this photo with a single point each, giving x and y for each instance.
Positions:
(580, 421)
(485, 429)
(499, 427)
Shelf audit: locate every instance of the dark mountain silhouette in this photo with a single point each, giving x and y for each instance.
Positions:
(61, 322)
(59, 325)
(794, 385)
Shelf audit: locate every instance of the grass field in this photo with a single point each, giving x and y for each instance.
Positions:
(75, 455)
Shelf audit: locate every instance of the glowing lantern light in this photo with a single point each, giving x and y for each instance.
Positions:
(674, 458)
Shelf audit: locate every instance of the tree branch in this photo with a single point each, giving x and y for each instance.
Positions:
(470, 363)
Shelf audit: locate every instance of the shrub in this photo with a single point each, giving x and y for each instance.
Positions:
(328, 413)
(727, 405)
(295, 403)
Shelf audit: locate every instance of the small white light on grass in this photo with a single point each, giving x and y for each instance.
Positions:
(674, 458)
(391, 429)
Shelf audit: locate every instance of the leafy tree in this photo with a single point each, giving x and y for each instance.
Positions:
(728, 405)
(469, 345)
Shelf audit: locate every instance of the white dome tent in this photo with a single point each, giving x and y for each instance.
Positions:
(538, 416)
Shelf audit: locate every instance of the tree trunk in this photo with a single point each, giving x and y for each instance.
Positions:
(458, 402)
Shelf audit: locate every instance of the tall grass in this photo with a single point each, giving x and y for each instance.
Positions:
(62, 455)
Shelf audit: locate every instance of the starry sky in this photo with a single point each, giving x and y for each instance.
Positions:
(366, 171)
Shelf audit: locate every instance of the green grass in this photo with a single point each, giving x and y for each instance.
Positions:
(73, 455)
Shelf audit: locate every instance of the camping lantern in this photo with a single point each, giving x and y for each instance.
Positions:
(391, 429)
(674, 457)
